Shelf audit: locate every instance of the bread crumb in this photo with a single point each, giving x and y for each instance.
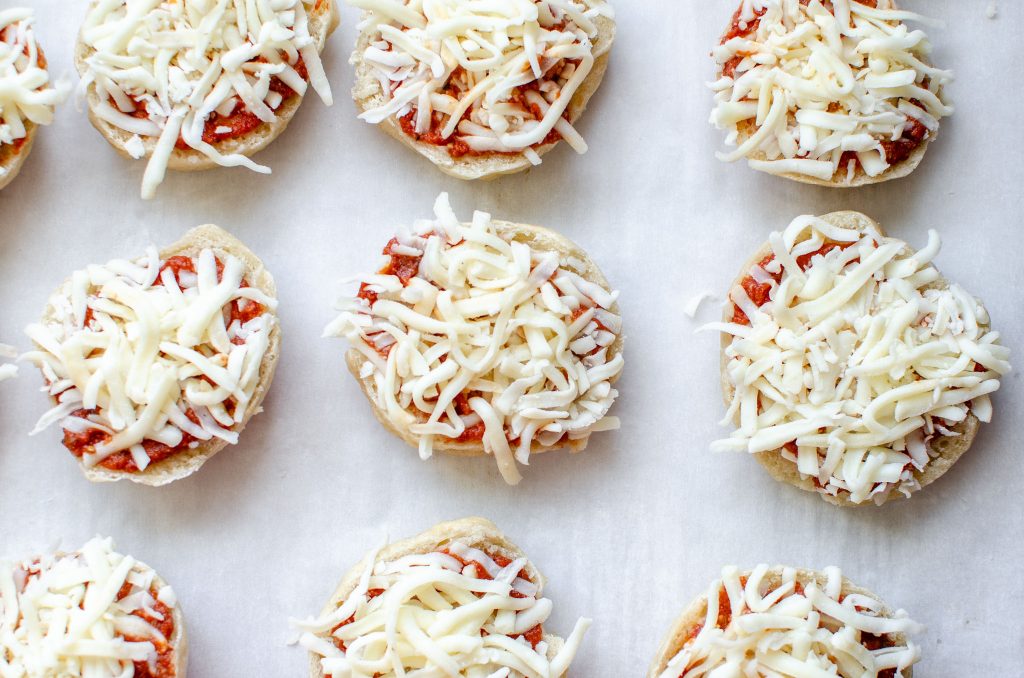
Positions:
(992, 11)
(691, 307)
(135, 147)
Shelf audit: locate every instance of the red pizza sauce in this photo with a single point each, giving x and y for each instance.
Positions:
(457, 148)
(239, 122)
(85, 442)
(759, 292)
(165, 653)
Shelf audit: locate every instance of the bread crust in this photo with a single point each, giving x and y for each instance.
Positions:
(368, 94)
(13, 159)
(694, 614)
(187, 462)
(949, 448)
(860, 177)
(322, 23)
(538, 238)
(474, 532)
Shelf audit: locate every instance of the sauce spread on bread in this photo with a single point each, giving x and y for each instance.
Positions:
(436, 338)
(148, 359)
(853, 361)
(481, 80)
(776, 622)
(190, 74)
(483, 612)
(89, 614)
(864, 102)
(27, 96)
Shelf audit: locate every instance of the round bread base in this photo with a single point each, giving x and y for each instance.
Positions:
(187, 462)
(539, 239)
(478, 533)
(368, 95)
(945, 449)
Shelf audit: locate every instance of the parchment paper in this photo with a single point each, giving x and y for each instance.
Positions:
(632, 529)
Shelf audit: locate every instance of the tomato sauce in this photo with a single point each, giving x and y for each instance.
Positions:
(404, 267)
(85, 442)
(759, 292)
(457, 148)
(165, 653)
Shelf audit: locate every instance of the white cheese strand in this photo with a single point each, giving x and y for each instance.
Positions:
(812, 634)
(859, 360)
(435, 617)
(462, 61)
(805, 84)
(26, 94)
(60, 615)
(151, 352)
(493, 321)
(180, 61)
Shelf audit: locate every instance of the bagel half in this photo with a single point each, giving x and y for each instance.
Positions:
(539, 239)
(946, 449)
(476, 533)
(692, 618)
(842, 178)
(178, 641)
(188, 461)
(323, 19)
(368, 94)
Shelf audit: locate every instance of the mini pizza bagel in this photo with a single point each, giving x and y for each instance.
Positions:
(485, 337)
(789, 623)
(830, 92)
(155, 365)
(850, 366)
(458, 600)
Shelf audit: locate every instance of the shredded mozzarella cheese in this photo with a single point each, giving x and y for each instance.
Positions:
(170, 69)
(486, 332)
(804, 85)
(857, 363)
(483, 77)
(151, 356)
(71, 616)
(26, 94)
(792, 628)
(437, 614)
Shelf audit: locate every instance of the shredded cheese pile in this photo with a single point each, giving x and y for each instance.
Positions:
(26, 94)
(516, 333)
(165, 69)
(812, 84)
(66, 616)
(494, 76)
(858, 360)
(142, 353)
(801, 631)
(438, 614)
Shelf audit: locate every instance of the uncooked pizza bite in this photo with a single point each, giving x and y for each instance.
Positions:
(196, 84)
(481, 88)
(788, 623)
(832, 92)
(94, 613)
(850, 366)
(485, 337)
(154, 365)
(459, 600)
